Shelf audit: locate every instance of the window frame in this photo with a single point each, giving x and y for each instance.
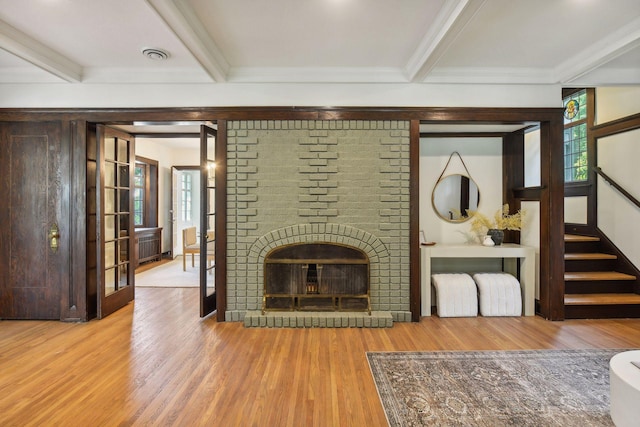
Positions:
(143, 187)
(150, 208)
(571, 125)
(583, 188)
(186, 193)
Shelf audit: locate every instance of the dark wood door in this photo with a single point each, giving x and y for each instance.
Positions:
(115, 240)
(34, 220)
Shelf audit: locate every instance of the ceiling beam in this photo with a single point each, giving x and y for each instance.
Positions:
(184, 22)
(38, 54)
(621, 41)
(453, 17)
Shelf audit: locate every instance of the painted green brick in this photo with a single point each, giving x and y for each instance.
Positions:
(356, 181)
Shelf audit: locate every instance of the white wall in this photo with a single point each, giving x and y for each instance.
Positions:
(73, 95)
(575, 209)
(483, 158)
(167, 156)
(530, 234)
(616, 102)
(532, 158)
(618, 218)
(618, 157)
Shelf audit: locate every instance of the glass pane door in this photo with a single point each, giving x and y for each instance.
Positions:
(115, 225)
(208, 220)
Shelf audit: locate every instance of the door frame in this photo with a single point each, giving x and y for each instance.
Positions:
(173, 221)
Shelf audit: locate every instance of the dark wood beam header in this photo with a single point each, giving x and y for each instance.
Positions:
(125, 116)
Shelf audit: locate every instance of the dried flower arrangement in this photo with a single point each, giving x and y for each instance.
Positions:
(502, 220)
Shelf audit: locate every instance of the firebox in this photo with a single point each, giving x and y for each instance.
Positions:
(316, 277)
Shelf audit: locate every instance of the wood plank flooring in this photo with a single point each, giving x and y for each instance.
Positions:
(155, 362)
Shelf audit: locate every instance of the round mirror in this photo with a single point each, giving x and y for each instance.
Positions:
(454, 196)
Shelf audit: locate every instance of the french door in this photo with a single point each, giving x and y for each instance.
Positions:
(114, 219)
(208, 274)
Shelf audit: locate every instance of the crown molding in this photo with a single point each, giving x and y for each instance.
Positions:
(316, 75)
(479, 75)
(182, 75)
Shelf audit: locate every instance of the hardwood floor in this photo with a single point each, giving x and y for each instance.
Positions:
(155, 362)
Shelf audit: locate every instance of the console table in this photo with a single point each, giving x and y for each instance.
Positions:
(512, 254)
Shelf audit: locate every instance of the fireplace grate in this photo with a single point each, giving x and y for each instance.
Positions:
(316, 277)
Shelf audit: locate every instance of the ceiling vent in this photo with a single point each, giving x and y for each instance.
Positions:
(155, 54)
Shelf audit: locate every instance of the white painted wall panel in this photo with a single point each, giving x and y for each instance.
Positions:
(247, 94)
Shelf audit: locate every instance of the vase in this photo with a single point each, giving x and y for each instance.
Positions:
(496, 235)
(488, 241)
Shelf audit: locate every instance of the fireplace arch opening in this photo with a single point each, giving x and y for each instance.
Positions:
(316, 277)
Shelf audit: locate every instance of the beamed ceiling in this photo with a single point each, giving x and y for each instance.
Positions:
(567, 42)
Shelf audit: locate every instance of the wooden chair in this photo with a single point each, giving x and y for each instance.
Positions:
(190, 245)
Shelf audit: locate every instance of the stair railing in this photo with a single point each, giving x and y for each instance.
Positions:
(617, 186)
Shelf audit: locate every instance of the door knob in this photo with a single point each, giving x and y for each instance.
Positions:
(54, 236)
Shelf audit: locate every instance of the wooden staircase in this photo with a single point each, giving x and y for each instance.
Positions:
(594, 286)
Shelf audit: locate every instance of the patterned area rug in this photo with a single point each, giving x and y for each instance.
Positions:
(494, 388)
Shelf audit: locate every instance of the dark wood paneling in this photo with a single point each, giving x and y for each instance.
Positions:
(575, 190)
(414, 220)
(150, 209)
(74, 299)
(552, 219)
(614, 127)
(424, 115)
(91, 207)
(221, 221)
(592, 157)
(513, 176)
(463, 134)
(527, 193)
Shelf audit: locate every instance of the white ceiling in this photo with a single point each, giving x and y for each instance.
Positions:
(567, 42)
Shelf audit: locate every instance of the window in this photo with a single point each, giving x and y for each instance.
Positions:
(145, 192)
(139, 181)
(185, 189)
(575, 137)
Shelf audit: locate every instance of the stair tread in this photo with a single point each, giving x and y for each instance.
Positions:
(588, 256)
(579, 238)
(596, 276)
(601, 299)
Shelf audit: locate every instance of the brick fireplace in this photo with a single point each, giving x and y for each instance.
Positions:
(301, 182)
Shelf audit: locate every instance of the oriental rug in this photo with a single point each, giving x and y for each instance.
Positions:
(494, 388)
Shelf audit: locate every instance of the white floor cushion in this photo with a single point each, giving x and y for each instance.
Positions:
(499, 294)
(456, 295)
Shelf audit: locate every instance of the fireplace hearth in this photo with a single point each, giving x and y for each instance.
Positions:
(316, 277)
